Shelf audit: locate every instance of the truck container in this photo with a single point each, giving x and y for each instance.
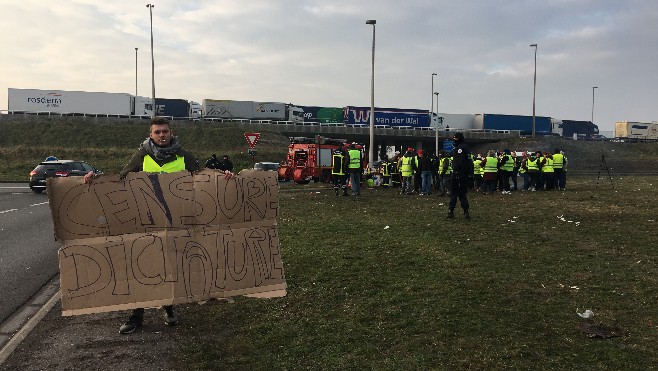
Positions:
(487, 121)
(585, 129)
(636, 130)
(322, 114)
(251, 110)
(392, 117)
(64, 102)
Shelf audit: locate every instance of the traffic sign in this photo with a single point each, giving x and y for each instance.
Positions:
(252, 138)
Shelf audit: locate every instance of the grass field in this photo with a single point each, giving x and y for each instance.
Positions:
(384, 281)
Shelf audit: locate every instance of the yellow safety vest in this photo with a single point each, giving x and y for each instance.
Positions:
(509, 164)
(532, 165)
(150, 166)
(548, 166)
(337, 167)
(477, 167)
(385, 169)
(558, 161)
(355, 159)
(406, 168)
(491, 166)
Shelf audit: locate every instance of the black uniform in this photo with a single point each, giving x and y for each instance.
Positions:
(462, 167)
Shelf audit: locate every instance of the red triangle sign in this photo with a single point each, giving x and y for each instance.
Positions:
(252, 138)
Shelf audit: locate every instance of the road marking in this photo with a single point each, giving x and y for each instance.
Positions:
(7, 211)
(42, 203)
(14, 187)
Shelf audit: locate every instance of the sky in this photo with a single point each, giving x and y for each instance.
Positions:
(319, 53)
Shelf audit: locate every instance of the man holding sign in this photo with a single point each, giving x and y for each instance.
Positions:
(161, 152)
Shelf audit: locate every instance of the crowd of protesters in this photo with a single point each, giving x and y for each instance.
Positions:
(420, 172)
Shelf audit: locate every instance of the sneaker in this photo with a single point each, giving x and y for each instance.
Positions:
(170, 317)
(134, 322)
(450, 215)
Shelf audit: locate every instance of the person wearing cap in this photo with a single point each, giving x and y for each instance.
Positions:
(462, 168)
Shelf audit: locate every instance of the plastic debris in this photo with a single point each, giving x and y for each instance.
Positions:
(586, 314)
(387, 227)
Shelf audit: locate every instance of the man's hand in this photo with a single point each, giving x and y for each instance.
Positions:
(228, 174)
(88, 177)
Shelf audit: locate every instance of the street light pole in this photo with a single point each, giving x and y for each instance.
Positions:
(534, 91)
(436, 128)
(150, 6)
(136, 71)
(593, 87)
(371, 147)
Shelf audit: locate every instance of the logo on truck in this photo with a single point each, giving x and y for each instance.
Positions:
(50, 100)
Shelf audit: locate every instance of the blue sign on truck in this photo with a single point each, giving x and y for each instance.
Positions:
(393, 117)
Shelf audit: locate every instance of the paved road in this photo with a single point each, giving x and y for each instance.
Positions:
(28, 250)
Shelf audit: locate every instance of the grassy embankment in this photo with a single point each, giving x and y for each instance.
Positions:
(384, 281)
(109, 146)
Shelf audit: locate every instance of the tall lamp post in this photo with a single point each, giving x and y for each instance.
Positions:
(432, 110)
(136, 71)
(436, 129)
(150, 6)
(593, 87)
(371, 147)
(534, 91)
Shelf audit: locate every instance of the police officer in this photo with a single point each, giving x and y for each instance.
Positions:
(338, 171)
(462, 168)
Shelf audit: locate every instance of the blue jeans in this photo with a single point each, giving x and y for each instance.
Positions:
(426, 177)
(355, 180)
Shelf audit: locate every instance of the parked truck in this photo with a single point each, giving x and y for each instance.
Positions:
(487, 121)
(69, 102)
(636, 130)
(388, 117)
(324, 115)
(574, 128)
(251, 110)
(310, 159)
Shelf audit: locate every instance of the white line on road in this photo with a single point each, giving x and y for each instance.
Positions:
(7, 211)
(42, 203)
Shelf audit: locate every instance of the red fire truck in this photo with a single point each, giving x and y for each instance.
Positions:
(310, 159)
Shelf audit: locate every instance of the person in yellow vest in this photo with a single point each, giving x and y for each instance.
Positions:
(354, 168)
(445, 174)
(559, 163)
(385, 170)
(506, 168)
(531, 167)
(161, 152)
(338, 172)
(394, 169)
(477, 173)
(407, 165)
(490, 176)
(547, 171)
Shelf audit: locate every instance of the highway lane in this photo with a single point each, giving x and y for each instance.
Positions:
(28, 250)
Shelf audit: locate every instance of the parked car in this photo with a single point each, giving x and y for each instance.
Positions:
(57, 168)
(267, 166)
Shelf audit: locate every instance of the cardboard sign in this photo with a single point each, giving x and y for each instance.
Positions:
(161, 239)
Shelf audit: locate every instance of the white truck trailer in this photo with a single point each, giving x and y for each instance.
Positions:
(251, 110)
(636, 130)
(62, 101)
